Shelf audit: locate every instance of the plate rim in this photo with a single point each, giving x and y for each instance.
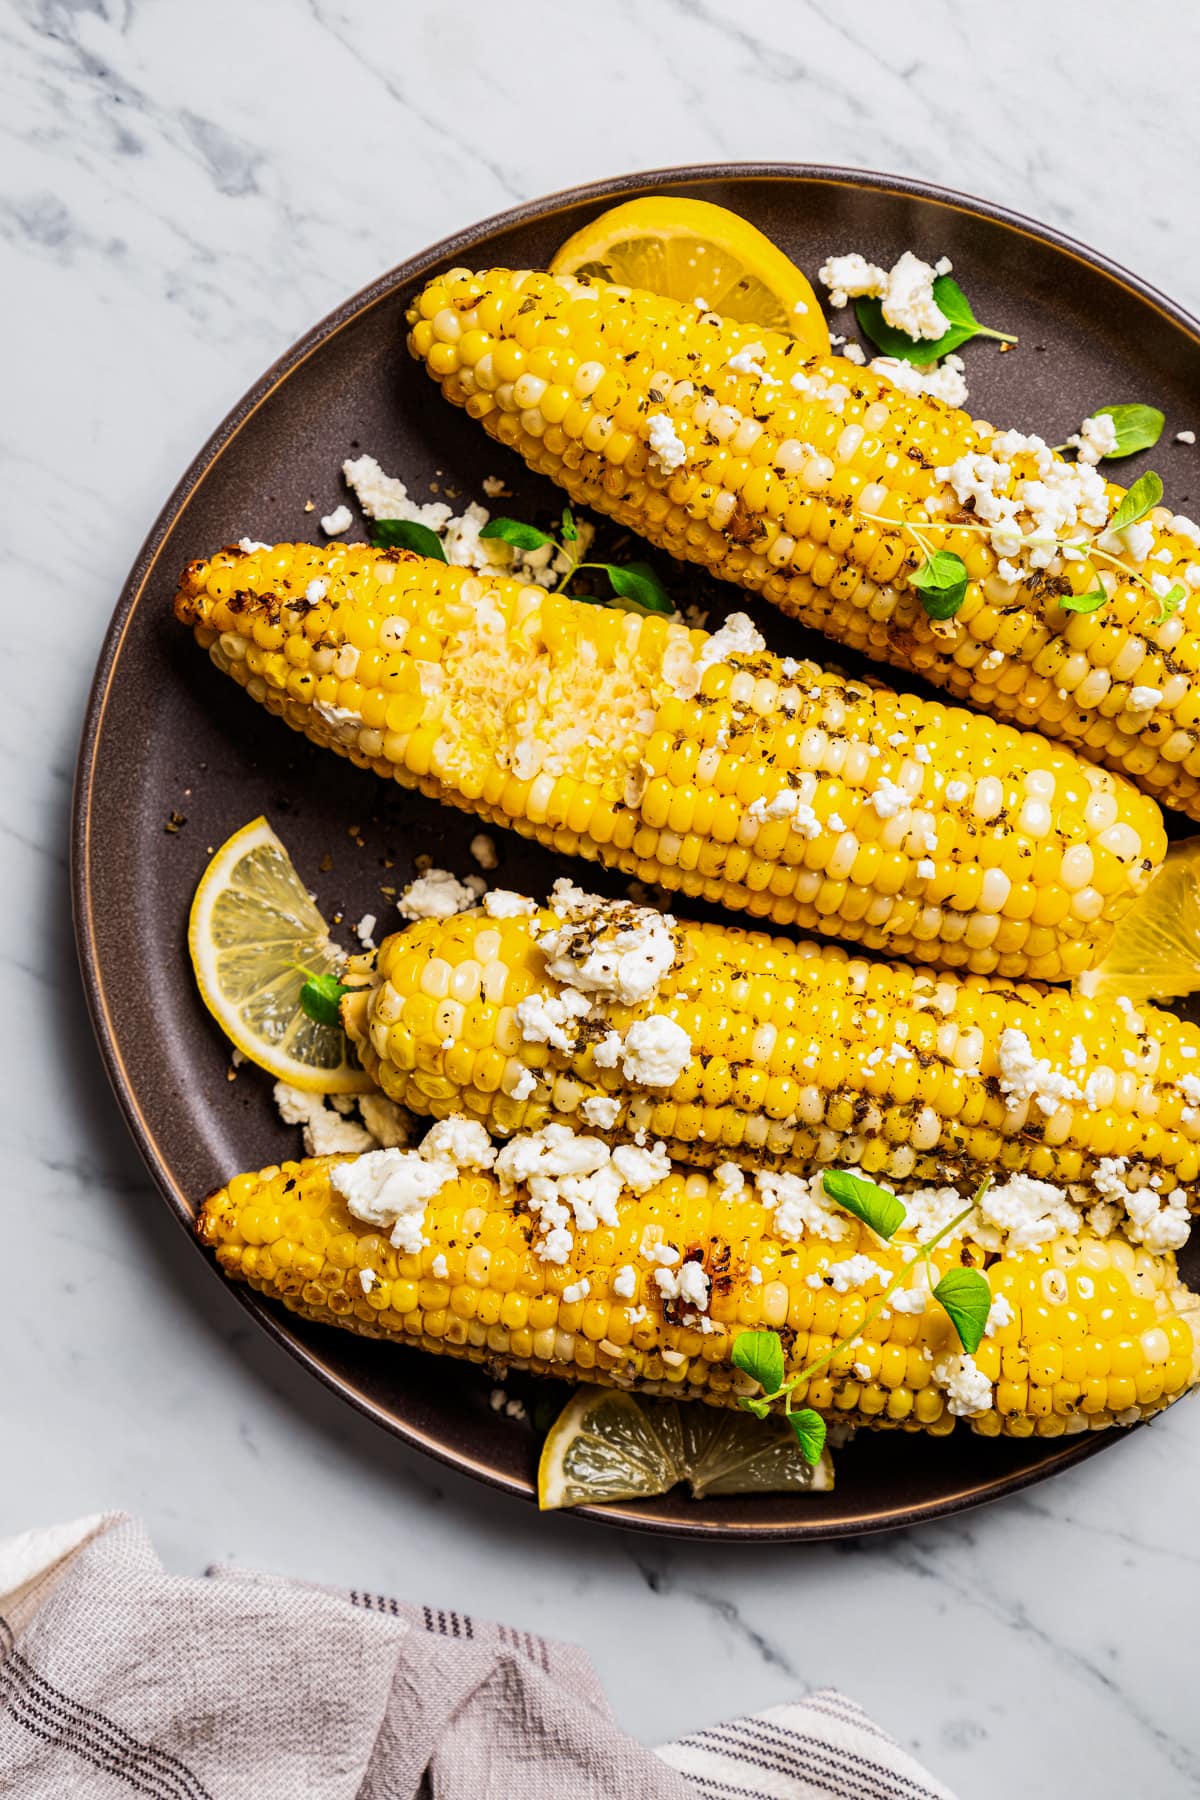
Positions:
(641, 1517)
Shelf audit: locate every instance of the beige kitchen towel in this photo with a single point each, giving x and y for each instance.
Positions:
(117, 1679)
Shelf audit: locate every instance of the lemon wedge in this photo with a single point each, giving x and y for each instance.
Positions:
(254, 937)
(692, 250)
(1154, 953)
(609, 1445)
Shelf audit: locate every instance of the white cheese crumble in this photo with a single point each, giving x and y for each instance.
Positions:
(577, 1290)
(367, 1279)
(389, 1125)
(861, 1371)
(249, 545)
(483, 849)
(1144, 699)
(325, 1132)
(601, 1110)
(855, 1272)
(501, 903)
(392, 1188)
(905, 290)
(656, 1051)
(968, 1390)
(552, 1018)
(1095, 439)
(439, 1268)
(745, 361)
(439, 895)
(1025, 1077)
(365, 929)
(945, 381)
(799, 1204)
(1185, 437)
(688, 1283)
(607, 948)
(624, 1284)
(524, 1087)
(340, 519)
(1000, 1315)
(493, 486)
(667, 448)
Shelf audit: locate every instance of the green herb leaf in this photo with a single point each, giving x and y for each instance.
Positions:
(942, 584)
(760, 1408)
(759, 1354)
(1146, 492)
(407, 534)
(570, 530)
(1169, 603)
(1137, 428)
(1084, 603)
(873, 1205)
(952, 302)
(522, 537)
(320, 997)
(809, 1428)
(637, 581)
(964, 1295)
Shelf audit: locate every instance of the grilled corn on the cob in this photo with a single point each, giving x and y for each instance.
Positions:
(1093, 1332)
(702, 763)
(792, 1054)
(716, 442)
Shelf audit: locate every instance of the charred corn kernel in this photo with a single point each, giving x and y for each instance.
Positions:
(875, 1065)
(706, 765)
(903, 1372)
(783, 473)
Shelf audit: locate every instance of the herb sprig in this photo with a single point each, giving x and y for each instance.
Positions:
(1137, 428)
(951, 302)
(942, 579)
(321, 998)
(635, 586)
(963, 1294)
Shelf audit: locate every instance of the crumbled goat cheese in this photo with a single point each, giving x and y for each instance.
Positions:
(1000, 1315)
(1027, 1211)
(552, 1018)
(1095, 439)
(601, 1110)
(1025, 1077)
(799, 1205)
(514, 1408)
(905, 290)
(945, 381)
(688, 1283)
(389, 1125)
(393, 1187)
(608, 948)
(926, 868)
(483, 849)
(624, 1284)
(1185, 437)
(249, 545)
(855, 1271)
(1152, 1220)
(968, 1390)
(1144, 699)
(641, 1169)
(745, 363)
(439, 1268)
(729, 1179)
(325, 1134)
(854, 353)
(500, 903)
(364, 931)
(493, 486)
(910, 1299)
(738, 636)
(1077, 1055)
(861, 1371)
(339, 520)
(524, 1087)
(656, 1051)
(888, 799)
(439, 895)
(667, 448)
(578, 1290)
(607, 1053)
(367, 1279)
(574, 1182)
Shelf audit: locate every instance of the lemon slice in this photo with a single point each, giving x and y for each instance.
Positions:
(609, 1445)
(692, 250)
(254, 937)
(1154, 953)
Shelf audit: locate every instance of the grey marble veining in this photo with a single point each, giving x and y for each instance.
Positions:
(183, 188)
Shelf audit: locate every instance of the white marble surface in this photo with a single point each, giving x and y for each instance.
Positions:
(183, 188)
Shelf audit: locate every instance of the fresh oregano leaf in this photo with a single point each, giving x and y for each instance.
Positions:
(952, 303)
(1084, 603)
(1169, 603)
(1145, 493)
(637, 581)
(941, 582)
(759, 1354)
(320, 998)
(407, 534)
(1137, 427)
(809, 1428)
(522, 537)
(966, 1298)
(873, 1205)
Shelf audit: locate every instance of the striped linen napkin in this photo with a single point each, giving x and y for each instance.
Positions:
(117, 1679)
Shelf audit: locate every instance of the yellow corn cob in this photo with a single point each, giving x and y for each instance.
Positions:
(800, 1056)
(772, 488)
(777, 789)
(1100, 1333)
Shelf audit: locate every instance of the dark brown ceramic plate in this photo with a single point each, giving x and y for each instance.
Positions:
(165, 734)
